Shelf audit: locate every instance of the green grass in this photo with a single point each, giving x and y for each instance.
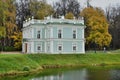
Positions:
(107, 51)
(17, 62)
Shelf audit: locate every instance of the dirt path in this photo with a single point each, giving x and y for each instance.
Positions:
(15, 52)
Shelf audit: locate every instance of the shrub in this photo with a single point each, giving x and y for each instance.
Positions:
(103, 64)
(9, 48)
(0, 48)
(26, 68)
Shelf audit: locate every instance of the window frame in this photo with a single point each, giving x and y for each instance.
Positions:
(59, 45)
(61, 34)
(39, 34)
(40, 48)
(74, 29)
(74, 45)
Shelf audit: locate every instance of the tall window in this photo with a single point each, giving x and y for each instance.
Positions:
(59, 33)
(38, 34)
(74, 34)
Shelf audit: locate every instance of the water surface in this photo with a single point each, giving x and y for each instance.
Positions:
(99, 73)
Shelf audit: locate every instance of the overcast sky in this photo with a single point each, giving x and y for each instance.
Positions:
(98, 3)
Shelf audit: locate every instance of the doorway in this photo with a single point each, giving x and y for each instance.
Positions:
(26, 47)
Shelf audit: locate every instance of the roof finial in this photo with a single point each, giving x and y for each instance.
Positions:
(32, 17)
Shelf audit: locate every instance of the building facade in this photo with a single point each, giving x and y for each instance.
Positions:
(53, 36)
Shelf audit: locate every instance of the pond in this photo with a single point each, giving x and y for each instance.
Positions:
(94, 73)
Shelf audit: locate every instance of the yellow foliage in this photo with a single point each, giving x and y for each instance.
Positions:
(40, 15)
(10, 16)
(41, 9)
(69, 16)
(2, 32)
(17, 37)
(97, 26)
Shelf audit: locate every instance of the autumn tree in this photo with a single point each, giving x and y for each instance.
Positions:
(2, 18)
(10, 20)
(2, 24)
(69, 16)
(17, 37)
(2, 37)
(97, 27)
(40, 9)
(7, 22)
(2, 32)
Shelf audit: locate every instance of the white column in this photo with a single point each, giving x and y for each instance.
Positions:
(32, 47)
(45, 47)
(45, 33)
(29, 47)
(23, 47)
(32, 32)
(51, 41)
(51, 45)
(83, 33)
(51, 32)
(83, 46)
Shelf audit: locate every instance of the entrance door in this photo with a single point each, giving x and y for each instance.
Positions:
(26, 47)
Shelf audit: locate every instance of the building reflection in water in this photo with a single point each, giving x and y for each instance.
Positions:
(70, 75)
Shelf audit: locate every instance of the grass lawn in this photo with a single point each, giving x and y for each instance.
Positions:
(26, 62)
(107, 52)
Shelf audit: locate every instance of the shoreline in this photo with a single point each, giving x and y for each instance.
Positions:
(15, 73)
(22, 64)
(38, 70)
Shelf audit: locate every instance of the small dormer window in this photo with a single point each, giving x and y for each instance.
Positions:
(38, 34)
(59, 33)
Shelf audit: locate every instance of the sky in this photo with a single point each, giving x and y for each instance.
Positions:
(104, 3)
(96, 3)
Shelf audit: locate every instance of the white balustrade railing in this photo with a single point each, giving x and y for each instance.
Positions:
(34, 21)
